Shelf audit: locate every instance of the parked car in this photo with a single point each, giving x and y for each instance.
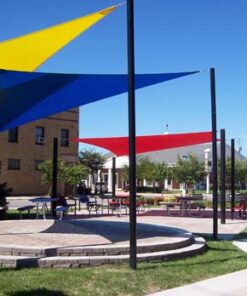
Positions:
(100, 187)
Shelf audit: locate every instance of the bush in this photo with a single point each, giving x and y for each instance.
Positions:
(4, 191)
(157, 200)
(152, 201)
(144, 189)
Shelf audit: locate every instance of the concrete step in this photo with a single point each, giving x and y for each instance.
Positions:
(26, 251)
(122, 249)
(156, 244)
(198, 247)
(18, 261)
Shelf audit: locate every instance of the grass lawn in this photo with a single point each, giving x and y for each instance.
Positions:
(221, 258)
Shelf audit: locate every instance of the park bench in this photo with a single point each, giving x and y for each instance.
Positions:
(25, 208)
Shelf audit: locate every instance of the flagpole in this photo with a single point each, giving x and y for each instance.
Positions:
(132, 131)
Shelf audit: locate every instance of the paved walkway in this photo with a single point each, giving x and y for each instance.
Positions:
(233, 284)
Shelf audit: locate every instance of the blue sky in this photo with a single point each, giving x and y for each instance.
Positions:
(170, 36)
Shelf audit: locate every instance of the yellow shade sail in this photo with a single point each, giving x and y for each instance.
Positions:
(28, 52)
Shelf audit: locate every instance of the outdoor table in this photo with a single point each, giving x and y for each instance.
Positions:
(43, 201)
(120, 199)
(123, 201)
(184, 203)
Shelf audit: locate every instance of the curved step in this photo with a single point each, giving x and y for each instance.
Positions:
(10, 250)
(198, 247)
(122, 249)
(155, 245)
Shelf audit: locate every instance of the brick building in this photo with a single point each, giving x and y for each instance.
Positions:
(22, 150)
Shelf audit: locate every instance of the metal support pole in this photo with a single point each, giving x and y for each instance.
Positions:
(214, 150)
(132, 131)
(232, 177)
(113, 180)
(223, 176)
(113, 177)
(54, 175)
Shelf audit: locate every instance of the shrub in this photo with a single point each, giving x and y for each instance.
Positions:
(157, 200)
(143, 189)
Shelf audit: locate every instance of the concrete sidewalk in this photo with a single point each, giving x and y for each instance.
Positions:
(233, 284)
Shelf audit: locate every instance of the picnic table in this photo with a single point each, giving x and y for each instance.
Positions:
(185, 206)
(43, 201)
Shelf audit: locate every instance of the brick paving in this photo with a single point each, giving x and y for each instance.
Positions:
(49, 233)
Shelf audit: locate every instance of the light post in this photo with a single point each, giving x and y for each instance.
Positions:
(206, 151)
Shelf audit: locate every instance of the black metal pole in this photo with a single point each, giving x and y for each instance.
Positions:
(132, 131)
(223, 176)
(214, 150)
(232, 177)
(113, 177)
(113, 180)
(54, 175)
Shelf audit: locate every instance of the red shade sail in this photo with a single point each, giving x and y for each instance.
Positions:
(120, 145)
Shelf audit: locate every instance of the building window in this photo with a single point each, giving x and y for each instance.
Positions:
(64, 137)
(14, 164)
(37, 164)
(13, 135)
(40, 135)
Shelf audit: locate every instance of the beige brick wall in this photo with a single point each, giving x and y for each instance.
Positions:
(27, 180)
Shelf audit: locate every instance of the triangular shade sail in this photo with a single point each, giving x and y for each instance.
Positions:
(27, 96)
(120, 145)
(28, 52)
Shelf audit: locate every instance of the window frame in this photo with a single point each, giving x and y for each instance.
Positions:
(12, 167)
(13, 135)
(40, 138)
(64, 141)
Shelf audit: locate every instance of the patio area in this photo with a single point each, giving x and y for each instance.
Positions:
(79, 241)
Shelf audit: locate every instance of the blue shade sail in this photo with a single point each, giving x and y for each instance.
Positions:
(28, 96)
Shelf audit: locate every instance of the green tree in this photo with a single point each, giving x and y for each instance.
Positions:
(47, 169)
(144, 169)
(73, 174)
(161, 171)
(240, 172)
(189, 171)
(92, 160)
